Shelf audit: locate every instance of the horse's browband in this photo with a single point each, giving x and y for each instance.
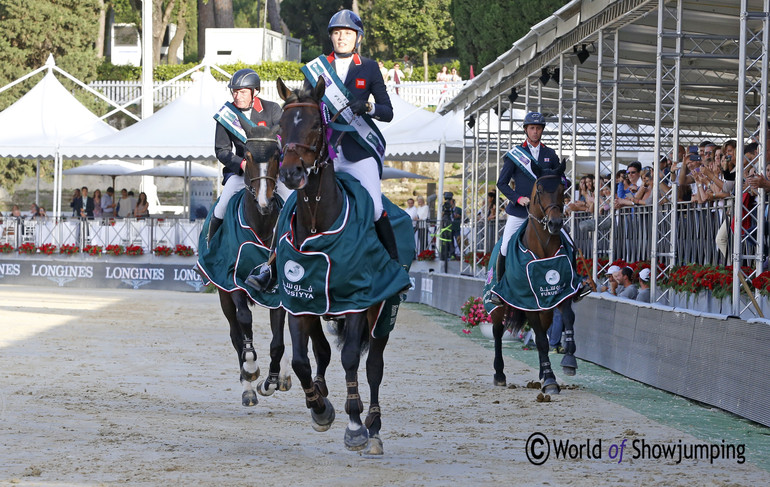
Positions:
(300, 104)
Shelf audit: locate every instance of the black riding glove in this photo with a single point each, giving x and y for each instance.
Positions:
(360, 107)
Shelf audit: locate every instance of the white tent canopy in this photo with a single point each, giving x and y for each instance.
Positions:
(44, 119)
(182, 130)
(180, 169)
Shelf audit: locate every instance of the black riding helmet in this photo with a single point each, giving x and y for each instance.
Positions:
(244, 78)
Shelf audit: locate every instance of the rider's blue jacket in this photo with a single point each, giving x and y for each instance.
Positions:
(364, 78)
(523, 182)
(230, 150)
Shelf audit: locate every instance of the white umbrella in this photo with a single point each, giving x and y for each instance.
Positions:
(108, 167)
(182, 169)
(177, 169)
(392, 173)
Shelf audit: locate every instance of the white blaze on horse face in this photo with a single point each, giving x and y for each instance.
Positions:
(262, 197)
(297, 118)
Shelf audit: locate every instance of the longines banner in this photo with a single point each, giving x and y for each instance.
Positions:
(150, 273)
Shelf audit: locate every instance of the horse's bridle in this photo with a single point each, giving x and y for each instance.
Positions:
(318, 148)
(543, 221)
(249, 187)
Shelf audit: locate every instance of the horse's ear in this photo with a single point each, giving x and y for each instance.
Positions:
(275, 131)
(283, 91)
(320, 88)
(563, 165)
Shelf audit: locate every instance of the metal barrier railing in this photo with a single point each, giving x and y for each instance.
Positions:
(698, 226)
(147, 233)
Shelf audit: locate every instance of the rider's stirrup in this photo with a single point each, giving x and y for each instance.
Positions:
(264, 280)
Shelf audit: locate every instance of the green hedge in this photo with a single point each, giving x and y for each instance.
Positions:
(268, 71)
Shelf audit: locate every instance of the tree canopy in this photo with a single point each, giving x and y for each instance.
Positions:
(484, 30)
(411, 27)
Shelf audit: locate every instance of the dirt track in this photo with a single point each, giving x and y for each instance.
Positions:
(105, 387)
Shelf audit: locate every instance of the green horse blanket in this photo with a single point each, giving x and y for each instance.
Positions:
(234, 250)
(532, 284)
(345, 269)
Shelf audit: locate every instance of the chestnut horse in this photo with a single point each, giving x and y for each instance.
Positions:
(542, 237)
(307, 168)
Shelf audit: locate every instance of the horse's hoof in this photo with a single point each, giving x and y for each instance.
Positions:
(374, 450)
(356, 439)
(323, 421)
(499, 382)
(569, 364)
(551, 387)
(284, 383)
(249, 398)
(249, 376)
(265, 388)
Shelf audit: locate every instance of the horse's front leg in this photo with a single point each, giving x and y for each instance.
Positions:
(568, 362)
(497, 334)
(275, 380)
(375, 366)
(242, 337)
(322, 352)
(540, 321)
(356, 326)
(321, 409)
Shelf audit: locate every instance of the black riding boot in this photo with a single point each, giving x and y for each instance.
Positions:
(386, 236)
(264, 277)
(214, 225)
(500, 266)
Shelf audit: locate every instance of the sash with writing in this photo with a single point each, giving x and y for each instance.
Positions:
(231, 119)
(523, 160)
(336, 97)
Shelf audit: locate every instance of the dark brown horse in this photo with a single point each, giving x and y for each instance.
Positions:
(306, 167)
(542, 238)
(261, 211)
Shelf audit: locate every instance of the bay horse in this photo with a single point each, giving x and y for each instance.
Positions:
(261, 210)
(307, 168)
(542, 238)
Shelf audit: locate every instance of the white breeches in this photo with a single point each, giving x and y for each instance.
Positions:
(512, 224)
(233, 185)
(368, 174)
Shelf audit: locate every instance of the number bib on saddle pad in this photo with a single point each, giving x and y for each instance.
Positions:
(528, 283)
(233, 252)
(346, 268)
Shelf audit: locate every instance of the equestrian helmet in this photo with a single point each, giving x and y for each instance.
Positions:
(244, 78)
(534, 118)
(347, 19)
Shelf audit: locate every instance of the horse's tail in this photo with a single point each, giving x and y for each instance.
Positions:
(515, 319)
(337, 327)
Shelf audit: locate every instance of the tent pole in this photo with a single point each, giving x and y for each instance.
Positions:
(37, 184)
(441, 159)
